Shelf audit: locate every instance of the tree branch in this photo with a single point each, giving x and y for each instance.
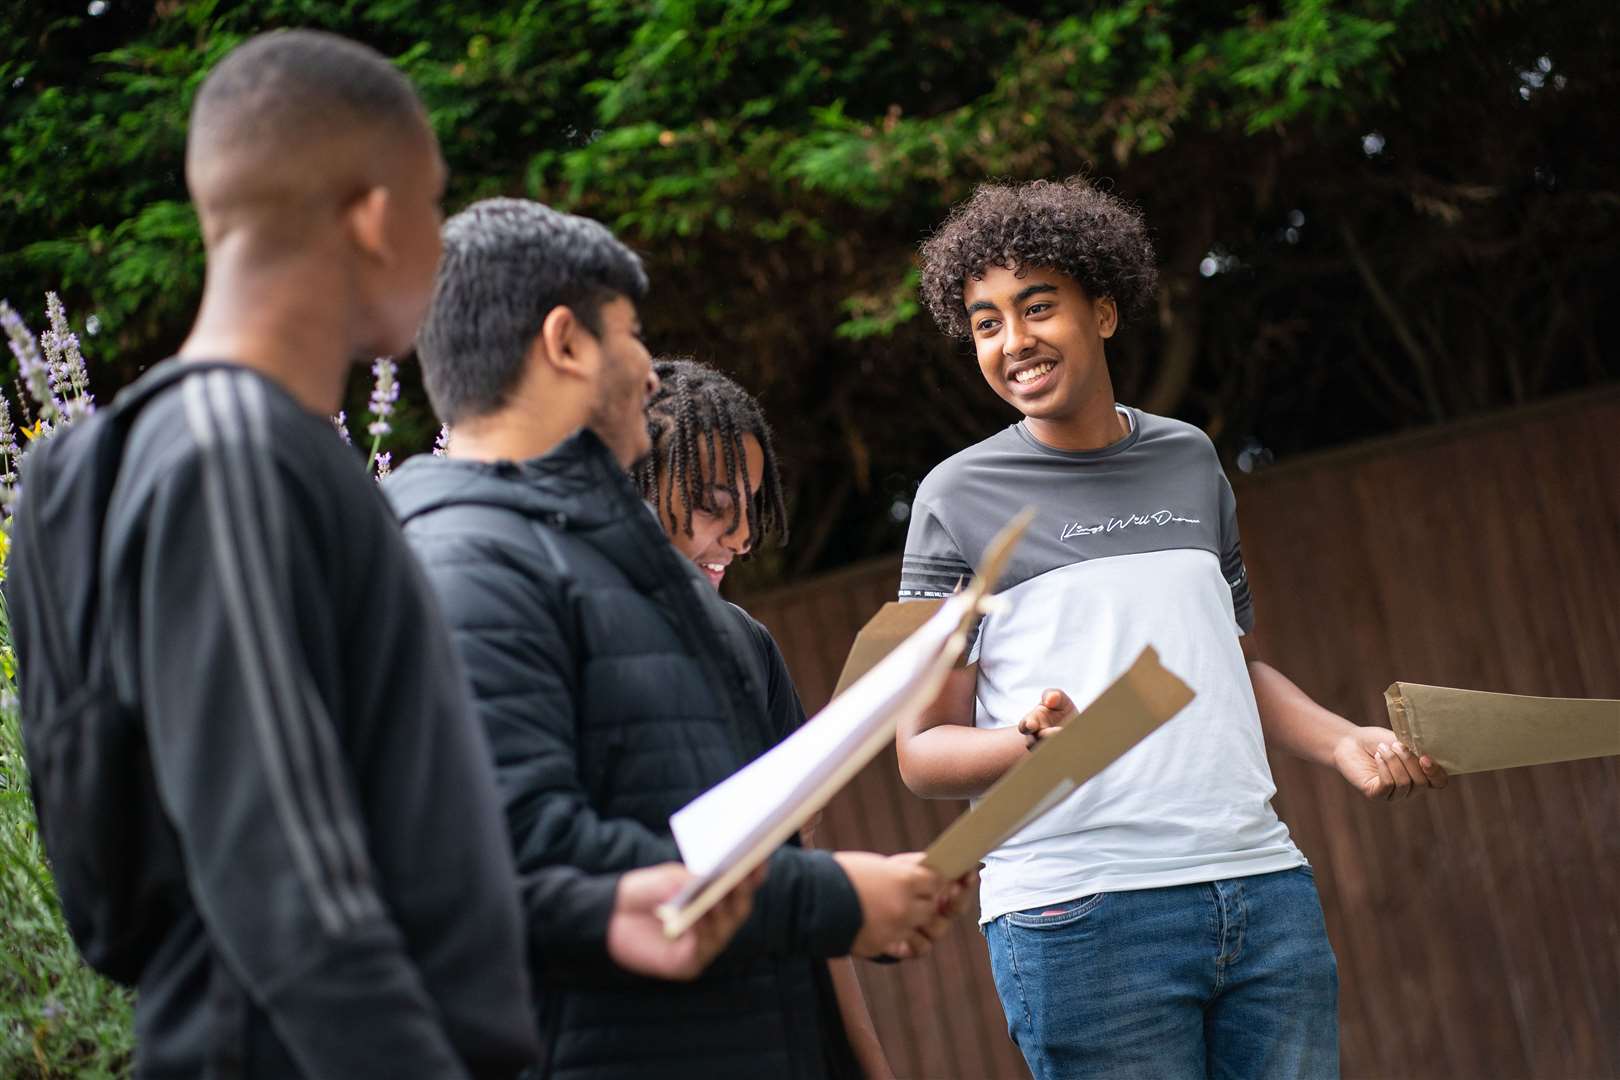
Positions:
(1397, 322)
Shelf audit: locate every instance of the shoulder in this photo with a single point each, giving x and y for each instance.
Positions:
(754, 631)
(230, 407)
(1166, 432)
(1169, 430)
(236, 434)
(482, 553)
(1175, 442)
(969, 465)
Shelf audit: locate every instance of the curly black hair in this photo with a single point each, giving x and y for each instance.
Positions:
(1069, 225)
(696, 402)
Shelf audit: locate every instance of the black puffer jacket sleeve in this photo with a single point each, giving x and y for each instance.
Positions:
(568, 912)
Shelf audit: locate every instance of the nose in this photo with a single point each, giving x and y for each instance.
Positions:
(1018, 339)
(652, 382)
(741, 541)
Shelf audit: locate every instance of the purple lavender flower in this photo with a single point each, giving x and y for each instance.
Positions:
(385, 465)
(31, 366)
(66, 361)
(10, 458)
(384, 393)
(10, 452)
(341, 422)
(441, 445)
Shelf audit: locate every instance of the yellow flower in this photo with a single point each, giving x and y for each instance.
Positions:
(33, 432)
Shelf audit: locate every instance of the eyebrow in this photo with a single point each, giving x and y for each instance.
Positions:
(1023, 294)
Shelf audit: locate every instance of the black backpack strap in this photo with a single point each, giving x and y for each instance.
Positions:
(78, 457)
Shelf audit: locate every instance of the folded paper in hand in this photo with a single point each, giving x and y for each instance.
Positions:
(1123, 715)
(730, 829)
(1470, 731)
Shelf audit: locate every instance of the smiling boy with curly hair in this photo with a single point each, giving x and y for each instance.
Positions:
(1160, 921)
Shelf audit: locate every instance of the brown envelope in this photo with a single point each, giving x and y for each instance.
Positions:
(1471, 731)
(894, 622)
(1123, 715)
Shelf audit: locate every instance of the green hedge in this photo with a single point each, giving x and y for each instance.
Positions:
(57, 1017)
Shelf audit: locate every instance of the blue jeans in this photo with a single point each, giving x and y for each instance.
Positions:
(1227, 980)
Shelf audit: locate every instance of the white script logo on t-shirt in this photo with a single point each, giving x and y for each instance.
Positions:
(1160, 517)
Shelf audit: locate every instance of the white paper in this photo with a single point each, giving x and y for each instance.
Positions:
(725, 822)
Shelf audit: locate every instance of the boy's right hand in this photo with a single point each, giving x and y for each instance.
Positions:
(1047, 718)
(635, 934)
(902, 909)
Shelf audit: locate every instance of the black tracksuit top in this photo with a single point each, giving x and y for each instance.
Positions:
(341, 898)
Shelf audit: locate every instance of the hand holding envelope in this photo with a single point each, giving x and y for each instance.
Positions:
(1472, 731)
(1069, 753)
(1375, 762)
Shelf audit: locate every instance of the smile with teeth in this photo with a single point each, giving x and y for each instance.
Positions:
(1030, 374)
(714, 567)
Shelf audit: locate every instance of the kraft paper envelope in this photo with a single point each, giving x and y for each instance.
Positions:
(733, 827)
(894, 622)
(1123, 715)
(1470, 731)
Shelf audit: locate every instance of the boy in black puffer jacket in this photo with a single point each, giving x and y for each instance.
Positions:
(610, 677)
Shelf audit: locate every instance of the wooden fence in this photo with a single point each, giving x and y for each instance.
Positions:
(1478, 928)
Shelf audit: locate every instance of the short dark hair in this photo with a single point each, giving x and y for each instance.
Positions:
(288, 88)
(1069, 225)
(507, 263)
(696, 402)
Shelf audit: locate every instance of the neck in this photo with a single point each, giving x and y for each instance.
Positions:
(1095, 424)
(520, 430)
(284, 318)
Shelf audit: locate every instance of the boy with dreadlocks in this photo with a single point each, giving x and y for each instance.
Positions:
(712, 478)
(1160, 921)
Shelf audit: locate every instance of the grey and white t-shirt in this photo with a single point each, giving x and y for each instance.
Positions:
(1134, 544)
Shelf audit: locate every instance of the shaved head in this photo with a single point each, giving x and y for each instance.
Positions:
(294, 119)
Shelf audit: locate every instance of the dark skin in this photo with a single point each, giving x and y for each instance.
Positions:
(333, 266)
(1039, 340)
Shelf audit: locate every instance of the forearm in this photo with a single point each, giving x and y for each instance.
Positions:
(858, 1026)
(951, 761)
(567, 912)
(559, 827)
(806, 906)
(390, 1026)
(1291, 721)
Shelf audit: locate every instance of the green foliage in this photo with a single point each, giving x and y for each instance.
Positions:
(57, 1017)
(670, 120)
(777, 164)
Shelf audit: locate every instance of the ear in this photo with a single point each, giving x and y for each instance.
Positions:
(1107, 317)
(367, 219)
(566, 344)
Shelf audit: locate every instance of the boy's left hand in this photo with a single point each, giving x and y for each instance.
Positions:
(1376, 764)
(1047, 718)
